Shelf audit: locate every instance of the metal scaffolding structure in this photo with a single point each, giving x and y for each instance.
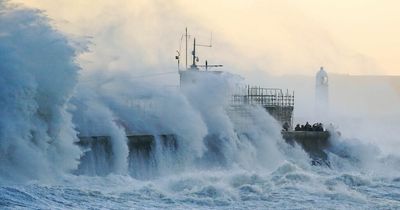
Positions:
(278, 103)
(263, 96)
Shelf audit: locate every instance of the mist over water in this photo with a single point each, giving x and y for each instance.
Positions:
(224, 159)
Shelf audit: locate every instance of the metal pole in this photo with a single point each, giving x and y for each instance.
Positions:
(186, 36)
(194, 53)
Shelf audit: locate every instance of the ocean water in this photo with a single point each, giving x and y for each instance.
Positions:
(46, 104)
(288, 187)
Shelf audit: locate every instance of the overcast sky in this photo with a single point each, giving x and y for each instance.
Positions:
(273, 37)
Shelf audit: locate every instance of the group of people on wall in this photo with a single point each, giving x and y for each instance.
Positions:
(305, 127)
(309, 127)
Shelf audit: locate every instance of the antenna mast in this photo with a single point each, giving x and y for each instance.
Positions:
(193, 66)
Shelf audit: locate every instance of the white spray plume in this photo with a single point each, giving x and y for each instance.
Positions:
(37, 77)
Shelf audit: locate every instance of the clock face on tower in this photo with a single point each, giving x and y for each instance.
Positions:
(322, 77)
(324, 80)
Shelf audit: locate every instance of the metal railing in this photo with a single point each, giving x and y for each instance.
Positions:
(267, 97)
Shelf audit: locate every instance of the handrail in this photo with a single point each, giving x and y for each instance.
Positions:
(263, 96)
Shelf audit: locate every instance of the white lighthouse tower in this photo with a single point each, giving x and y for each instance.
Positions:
(322, 94)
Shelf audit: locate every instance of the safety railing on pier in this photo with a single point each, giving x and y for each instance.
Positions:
(267, 97)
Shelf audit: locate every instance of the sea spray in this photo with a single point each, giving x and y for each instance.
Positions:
(262, 134)
(207, 133)
(37, 78)
(256, 176)
(355, 156)
(94, 119)
(209, 93)
(142, 108)
(243, 135)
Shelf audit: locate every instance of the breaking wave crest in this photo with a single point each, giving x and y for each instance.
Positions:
(223, 158)
(38, 75)
(46, 111)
